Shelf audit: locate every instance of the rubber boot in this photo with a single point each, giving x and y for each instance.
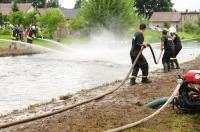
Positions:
(10, 46)
(168, 67)
(165, 67)
(132, 82)
(146, 80)
(177, 64)
(172, 64)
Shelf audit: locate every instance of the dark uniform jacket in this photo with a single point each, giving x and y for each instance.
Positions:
(15, 34)
(31, 34)
(138, 38)
(177, 40)
(168, 44)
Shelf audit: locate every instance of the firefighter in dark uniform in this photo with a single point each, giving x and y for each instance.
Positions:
(177, 47)
(137, 43)
(167, 45)
(14, 37)
(31, 34)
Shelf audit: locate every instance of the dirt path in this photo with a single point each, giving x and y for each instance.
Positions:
(21, 50)
(124, 106)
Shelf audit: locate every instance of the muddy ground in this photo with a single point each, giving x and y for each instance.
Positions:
(124, 106)
(21, 50)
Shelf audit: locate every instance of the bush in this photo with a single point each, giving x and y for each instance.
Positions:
(189, 27)
(6, 32)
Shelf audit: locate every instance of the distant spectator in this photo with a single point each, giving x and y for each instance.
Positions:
(14, 37)
(26, 34)
(21, 33)
(31, 34)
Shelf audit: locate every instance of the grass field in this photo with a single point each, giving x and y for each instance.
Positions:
(150, 36)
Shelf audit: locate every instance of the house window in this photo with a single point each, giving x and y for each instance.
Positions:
(185, 17)
(191, 18)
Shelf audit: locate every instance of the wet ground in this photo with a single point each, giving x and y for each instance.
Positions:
(124, 106)
(27, 80)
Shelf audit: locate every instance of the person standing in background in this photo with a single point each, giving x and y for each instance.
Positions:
(31, 34)
(21, 33)
(14, 37)
(26, 34)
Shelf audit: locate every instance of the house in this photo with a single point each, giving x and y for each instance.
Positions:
(158, 19)
(175, 19)
(191, 16)
(69, 13)
(6, 8)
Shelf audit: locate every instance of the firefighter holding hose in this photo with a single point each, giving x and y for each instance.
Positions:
(177, 47)
(137, 44)
(167, 45)
(14, 37)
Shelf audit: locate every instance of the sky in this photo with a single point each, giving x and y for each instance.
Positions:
(179, 5)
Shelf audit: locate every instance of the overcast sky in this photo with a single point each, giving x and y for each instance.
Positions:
(180, 5)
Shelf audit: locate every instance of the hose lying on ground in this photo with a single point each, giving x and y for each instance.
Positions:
(80, 103)
(150, 116)
(157, 102)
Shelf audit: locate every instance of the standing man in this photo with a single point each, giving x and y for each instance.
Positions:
(14, 37)
(21, 33)
(177, 47)
(31, 34)
(137, 43)
(167, 45)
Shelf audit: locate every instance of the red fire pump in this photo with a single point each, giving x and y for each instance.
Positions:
(188, 99)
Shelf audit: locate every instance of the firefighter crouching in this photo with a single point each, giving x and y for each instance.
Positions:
(167, 45)
(14, 37)
(31, 34)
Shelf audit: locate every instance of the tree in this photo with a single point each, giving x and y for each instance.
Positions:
(17, 17)
(78, 4)
(5, 1)
(198, 24)
(51, 19)
(114, 15)
(15, 7)
(147, 7)
(53, 3)
(77, 23)
(189, 27)
(30, 17)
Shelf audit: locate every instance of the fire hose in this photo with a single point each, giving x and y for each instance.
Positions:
(150, 116)
(83, 102)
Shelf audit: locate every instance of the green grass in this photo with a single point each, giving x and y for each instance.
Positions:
(155, 36)
(170, 121)
(150, 36)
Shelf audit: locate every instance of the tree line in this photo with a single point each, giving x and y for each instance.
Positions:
(36, 3)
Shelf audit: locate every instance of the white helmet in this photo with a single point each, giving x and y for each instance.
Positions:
(172, 30)
(33, 27)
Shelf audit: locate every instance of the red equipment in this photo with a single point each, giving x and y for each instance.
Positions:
(189, 94)
(193, 76)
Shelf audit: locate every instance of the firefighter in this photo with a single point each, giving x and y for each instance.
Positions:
(31, 32)
(177, 47)
(14, 37)
(167, 45)
(137, 43)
